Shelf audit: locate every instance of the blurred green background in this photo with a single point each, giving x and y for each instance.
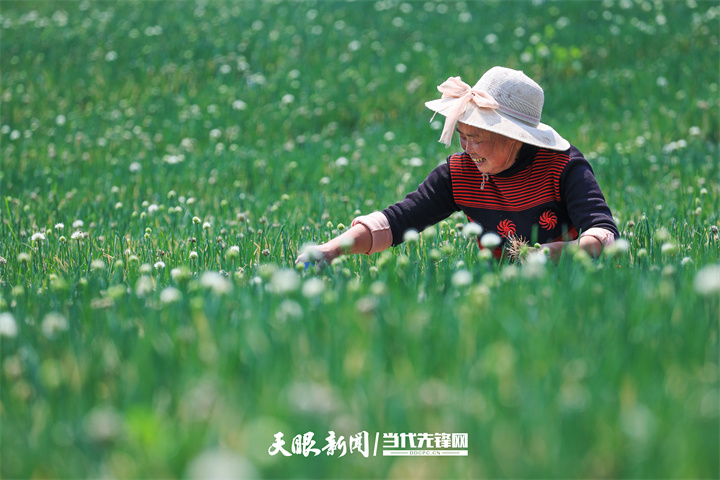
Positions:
(168, 132)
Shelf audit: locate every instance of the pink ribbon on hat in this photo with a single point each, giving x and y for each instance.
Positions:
(453, 87)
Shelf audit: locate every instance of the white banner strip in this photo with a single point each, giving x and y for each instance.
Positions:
(419, 453)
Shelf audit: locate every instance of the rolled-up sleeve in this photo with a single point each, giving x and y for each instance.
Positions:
(379, 228)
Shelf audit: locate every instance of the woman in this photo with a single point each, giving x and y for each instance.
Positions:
(516, 177)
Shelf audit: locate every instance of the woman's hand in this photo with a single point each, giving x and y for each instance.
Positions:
(357, 239)
(589, 244)
(317, 255)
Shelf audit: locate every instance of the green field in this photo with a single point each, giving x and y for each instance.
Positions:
(162, 164)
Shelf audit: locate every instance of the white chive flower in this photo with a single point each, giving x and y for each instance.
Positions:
(53, 323)
(411, 236)
(490, 240)
(97, 265)
(8, 326)
(313, 287)
(707, 280)
(216, 282)
(472, 230)
(170, 295)
(461, 278)
(284, 281)
(143, 286)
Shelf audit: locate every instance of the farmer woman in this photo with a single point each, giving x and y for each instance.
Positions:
(515, 177)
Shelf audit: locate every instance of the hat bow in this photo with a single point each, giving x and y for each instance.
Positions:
(454, 87)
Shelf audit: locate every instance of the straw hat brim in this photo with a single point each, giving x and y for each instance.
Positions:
(495, 121)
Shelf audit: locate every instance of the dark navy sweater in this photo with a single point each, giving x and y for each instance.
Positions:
(544, 196)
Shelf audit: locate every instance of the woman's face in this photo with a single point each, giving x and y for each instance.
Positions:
(492, 152)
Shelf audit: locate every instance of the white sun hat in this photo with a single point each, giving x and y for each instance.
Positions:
(503, 101)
